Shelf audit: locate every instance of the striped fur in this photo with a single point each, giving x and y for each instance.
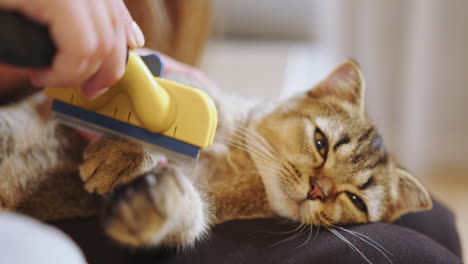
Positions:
(315, 158)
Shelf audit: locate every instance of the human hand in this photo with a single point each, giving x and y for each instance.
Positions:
(91, 38)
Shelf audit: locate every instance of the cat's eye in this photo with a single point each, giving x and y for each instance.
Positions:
(321, 143)
(357, 202)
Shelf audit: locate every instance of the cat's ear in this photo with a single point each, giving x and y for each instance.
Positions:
(410, 196)
(345, 83)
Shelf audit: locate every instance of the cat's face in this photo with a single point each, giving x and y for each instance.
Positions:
(324, 163)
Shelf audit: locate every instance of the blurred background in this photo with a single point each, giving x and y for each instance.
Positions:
(413, 55)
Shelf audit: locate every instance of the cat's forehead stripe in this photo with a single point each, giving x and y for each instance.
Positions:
(369, 152)
(367, 184)
(333, 130)
(366, 135)
(344, 140)
(369, 158)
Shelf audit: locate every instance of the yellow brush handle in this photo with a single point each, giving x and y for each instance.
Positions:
(158, 105)
(147, 96)
(140, 86)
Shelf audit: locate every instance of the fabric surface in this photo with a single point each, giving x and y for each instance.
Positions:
(427, 237)
(24, 240)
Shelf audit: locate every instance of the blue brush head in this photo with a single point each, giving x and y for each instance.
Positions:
(88, 120)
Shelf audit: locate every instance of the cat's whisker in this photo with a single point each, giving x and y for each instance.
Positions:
(318, 230)
(347, 242)
(369, 241)
(255, 148)
(289, 232)
(270, 167)
(261, 138)
(279, 170)
(256, 140)
(366, 237)
(308, 238)
(256, 172)
(269, 162)
(254, 144)
(260, 147)
(239, 142)
(273, 168)
(291, 237)
(244, 131)
(246, 148)
(256, 137)
(344, 239)
(324, 220)
(286, 168)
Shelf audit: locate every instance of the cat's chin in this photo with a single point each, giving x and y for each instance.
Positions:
(287, 208)
(308, 212)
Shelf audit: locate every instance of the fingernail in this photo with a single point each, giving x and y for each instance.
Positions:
(138, 34)
(92, 93)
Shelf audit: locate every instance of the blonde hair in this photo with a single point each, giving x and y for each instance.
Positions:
(178, 28)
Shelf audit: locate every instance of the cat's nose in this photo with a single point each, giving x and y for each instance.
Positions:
(315, 192)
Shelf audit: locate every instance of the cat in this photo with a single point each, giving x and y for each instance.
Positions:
(314, 158)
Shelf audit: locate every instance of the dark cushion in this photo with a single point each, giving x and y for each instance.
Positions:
(427, 237)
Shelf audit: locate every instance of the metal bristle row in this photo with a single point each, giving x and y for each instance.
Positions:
(172, 156)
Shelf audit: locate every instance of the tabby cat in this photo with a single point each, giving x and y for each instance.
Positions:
(314, 158)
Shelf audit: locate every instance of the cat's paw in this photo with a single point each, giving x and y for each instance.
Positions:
(109, 163)
(145, 211)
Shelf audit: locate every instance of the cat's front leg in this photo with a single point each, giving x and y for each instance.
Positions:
(160, 207)
(111, 162)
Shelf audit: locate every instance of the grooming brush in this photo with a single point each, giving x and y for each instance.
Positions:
(168, 117)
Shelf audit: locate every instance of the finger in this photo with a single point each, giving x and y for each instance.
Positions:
(73, 32)
(112, 68)
(105, 34)
(135, 39)
(133, 33)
